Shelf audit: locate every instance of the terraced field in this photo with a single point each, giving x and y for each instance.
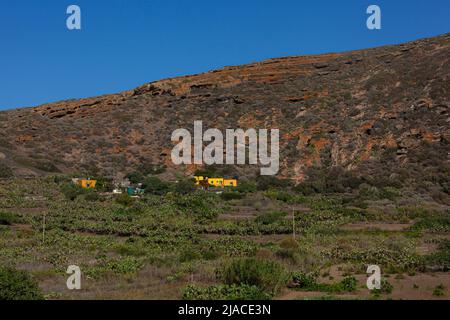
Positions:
(176, 246)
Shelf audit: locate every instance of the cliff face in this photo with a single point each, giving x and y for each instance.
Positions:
(370, 111)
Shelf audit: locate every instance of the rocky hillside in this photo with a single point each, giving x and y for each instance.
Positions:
(380, 112)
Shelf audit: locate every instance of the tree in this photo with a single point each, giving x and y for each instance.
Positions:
(154, 185)
(185, 186)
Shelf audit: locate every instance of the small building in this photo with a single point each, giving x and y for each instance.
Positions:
(200, 179)
(135, 191)
(229, 182)
(215, 182)
(85, 183)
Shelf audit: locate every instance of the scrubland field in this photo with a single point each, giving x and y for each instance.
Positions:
(264, 240)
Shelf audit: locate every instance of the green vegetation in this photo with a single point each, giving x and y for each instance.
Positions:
(308, 282)
(269, 276)
(270, 217)
(5, 171)
(225, 292)
(8, 218)
(441, 257)
(195, 244)
(227, 196)
(18, 285)
(71, 191)
(439, 291)
(386, 288)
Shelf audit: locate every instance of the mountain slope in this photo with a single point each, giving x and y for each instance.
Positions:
(379, 112)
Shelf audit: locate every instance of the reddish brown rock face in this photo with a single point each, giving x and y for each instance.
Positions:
(376, 109)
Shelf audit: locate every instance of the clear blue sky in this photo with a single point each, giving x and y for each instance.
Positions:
(125, 43)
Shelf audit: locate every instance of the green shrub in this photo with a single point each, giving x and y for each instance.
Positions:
(18, 285)
(154, 185)
(124, 199)
(227, 196)
(348, 284)
(136, 177)
(269, 276)
(279, 195)
(246, 187)
(225, 292)
(441, 257)
(5, 171)
(304, 281)
(71, 191)
(308, 282)
(210, 253)
(289, 243)
(200, 205)
(439, 291)
(270, 217)
(189, 254)
(265, 183)
(8, 218)
(433, 223)
(103, 184)
(305, 188)
(385, 288)
(92, 196)
(185, 186)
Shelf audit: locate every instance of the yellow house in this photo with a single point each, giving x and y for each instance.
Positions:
(198, 179)
(215, 182)
(87, 183)
(229, 182)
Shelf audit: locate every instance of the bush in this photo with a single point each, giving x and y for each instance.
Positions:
(135, 177)
(265, 183)
(154, 185)
(279, 195)
(270, 217)
(190, 254)
(104, 184)
(309, 282)
(246, 187)
(201, 205)
(231, 196)
(289, 243)
(18, 285)
(305, 188)
(439, 291)
(386, 288)
(5, 171)
(440, 258)
(72, 191)
(92, 196)
(433, 223)
(185, 186)
(124, 199)
(225, 292)
(304, 281)
(266, 275)
(7, 218)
